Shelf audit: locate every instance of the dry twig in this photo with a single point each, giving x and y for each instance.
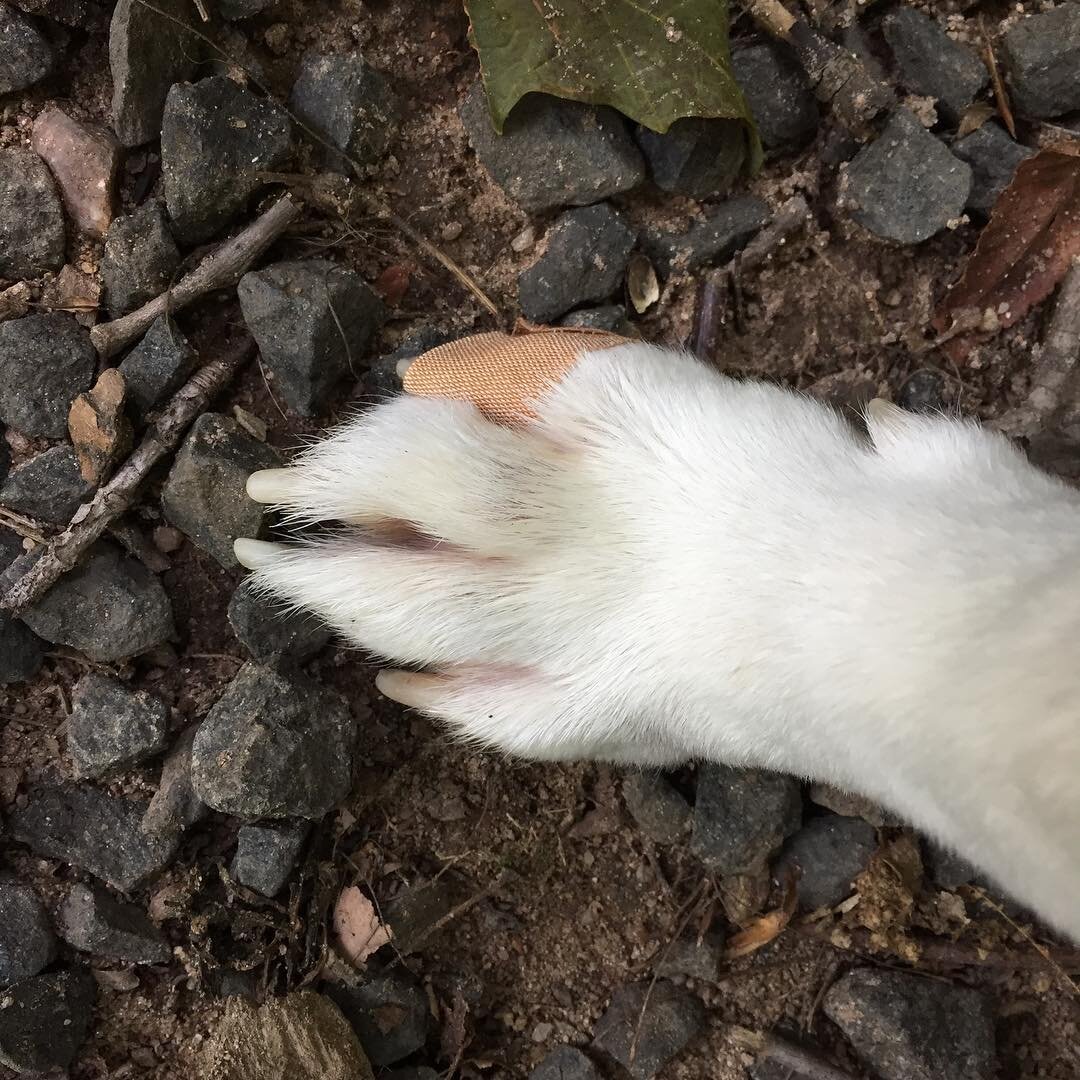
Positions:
(1001, 96)
(788, 1055)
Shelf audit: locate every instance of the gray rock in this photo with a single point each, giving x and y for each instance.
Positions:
(45, 1020)
(389, 1013)
(383, 378)
(109, 607)
(993, 158)
(46, 361)
(92, 921)
(48, 487)
(274, 746)
(659, 810)
(671, 1018)
(32, 235)
(906, 186)
(1042, 57)
(112, 727)
(587, 152)
(565, 1063)
(931, 63)
(313, 322)
(140, 260)
(693, 959)
(265, 855)
(605, 317)
(85, 14)
(741, 816)
(175, 806)
(904, 1027)
(348, 103)
(216, 139)
(586, 256)
(241, 9)
(21, 650)
(268, 629)
(91, 829)
(946, 869)
(147, 54)
(714, 238)
(204, 495)
(26, 56)
(779, 95)
(27, 944)
(829, 852)
(157, 367)
(696, 156)
(923, 391)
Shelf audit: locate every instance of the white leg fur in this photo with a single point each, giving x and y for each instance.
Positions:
(669, 565)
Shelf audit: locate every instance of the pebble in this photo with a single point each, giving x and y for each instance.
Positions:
(32, 234)
(663, 1026)
(204, 494)
(175, 806)
(216, 140)
(932, 63)
(265, 855)
(157, 367)
(905, 1027)
(610, 317)
(715, 237)
(147, 54)
(110, 607)
(585, 259)
(274, 745)
(26, 56)
(21, 650)
(779, 95)
(140, 259)
(829, 852)
(741, 816)
(389, 1013)
(1041, 54)
(993, 158)
(348, 103)
(27, 943)
(313, 322)
(45, 1020)
(660, 811)
(693, 959)
(586, 151)
(268, 629)
(48, 487)
(112, 727)
(94, 922)
(906, 186)
(565, 1063)
(524, 240)
(696, 156)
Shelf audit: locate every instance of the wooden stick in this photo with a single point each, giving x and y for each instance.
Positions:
(222, 268)
(788, 1055)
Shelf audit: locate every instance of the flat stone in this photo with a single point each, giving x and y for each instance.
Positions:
(389, 1013)
(48, 487)
(140, 260)
(1041, 54)
(719, 233)
(994, 159)
(216, 140)
(274, 746)
(586, 256)
(44, 1021)
(157, 367)
(829, 852)
(175, 807)
(660, 811)
(27, 944)
(269, 629)
(32, 235)
(265, 855)
(204, 495)
(605, 317)
(94, 922)
(587, 152)
(565, 1063)
(696, 156)
(779, 95)
(693, 959)
(26, 56)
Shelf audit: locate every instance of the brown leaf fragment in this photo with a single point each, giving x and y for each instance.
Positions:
(975, 115)
(360, 931)
(765, 928)
(98, 428)
(393, 283)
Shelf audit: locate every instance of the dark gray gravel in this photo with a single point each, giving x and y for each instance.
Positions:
(265, 855)
(829, 852)
(660, 812)
(157, 367)
(21, 650)
(175, 806)
(389, 1013)
(32, 233)
(140, 259)
(565, 1063)
(993, 158)
(268, 629)
(779, 95)
(48, 487)
(45, 1020)
(696, 156)
(1042, 56)
(94, 922)
(715, 237)
(693, 959)
(26, 56)
(27, 943)
(605, 317)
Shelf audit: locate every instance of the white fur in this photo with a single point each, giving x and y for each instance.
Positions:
(670, 565)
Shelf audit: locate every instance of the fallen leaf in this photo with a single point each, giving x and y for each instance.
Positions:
(359, 930)
(974, 117)
(393, 283)
(765, 928)
(641, 283)
(72, 290)
(97, 426)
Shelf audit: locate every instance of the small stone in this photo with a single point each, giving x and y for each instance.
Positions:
(693, 959)
(923, 392)
(204, 495)
(99, 430)
(46, 361)
(931, 63)
(1042, 56)
(849, 804)
(313, 322)
(587, 152)
(175, 806)
(696, 156)
(157, 367)
(565, 1063)
(241, 9)
(110, 607)
(84, 159)
(524, 241)
(451, 231)
(265, 855)
(348, 103)
(112, 727)
(148, 52)
(779, 95)
(906, 186)
(167, 539)
(993, 158)
(586, 256)
(21, 650)
(140, 260)
(32, 235)
(714, 238)
(268, 629)
(274, 746)
(389, 1013)
(606, 317)
(27, 944)
(44, 1021)
(92, 921)
(657, 1030)
(26, 56)
(946, 869)
(659, 810)
(89, 828)
(216, 140)
(48, 487)
(413, 913)
(829, 852)
(905, 1027)
(742, 816)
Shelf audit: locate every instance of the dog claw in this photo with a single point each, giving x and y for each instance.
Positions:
(270, 485)
(416, 690)
(255, 554)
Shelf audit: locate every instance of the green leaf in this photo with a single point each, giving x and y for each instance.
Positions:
(653, 60)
